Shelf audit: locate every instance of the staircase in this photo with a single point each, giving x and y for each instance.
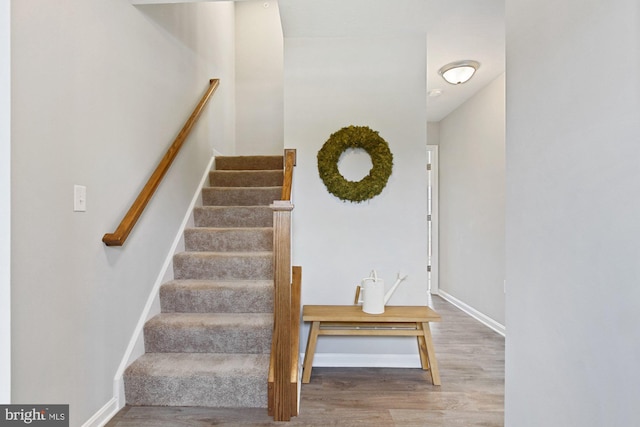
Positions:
(210, 344)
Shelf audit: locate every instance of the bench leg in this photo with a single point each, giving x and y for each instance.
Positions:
(431, 354)
(309, 352)
(422, 349)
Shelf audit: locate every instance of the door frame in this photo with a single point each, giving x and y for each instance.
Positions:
(433, 239)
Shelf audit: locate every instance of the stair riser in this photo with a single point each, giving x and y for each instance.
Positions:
(244, 240)
(225, 392)
(223, 299)
(246, 178)
(205, 266)
(249, 162)
(225, 196)
(160, 338)
(245, 216)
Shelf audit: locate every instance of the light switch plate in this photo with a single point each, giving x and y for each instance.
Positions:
(79, 198)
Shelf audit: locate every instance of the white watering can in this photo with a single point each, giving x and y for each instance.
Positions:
(372, 294)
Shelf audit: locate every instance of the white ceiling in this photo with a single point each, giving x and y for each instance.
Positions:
(455, 30)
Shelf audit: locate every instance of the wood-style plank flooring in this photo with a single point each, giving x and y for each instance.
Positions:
(471, 361)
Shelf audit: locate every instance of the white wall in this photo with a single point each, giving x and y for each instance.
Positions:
(377, 82)
(5, 202)
(100, 89)
(472, 191)
(573, 294)
(221, 48)
(433, 133)
(259, 78)
(211, 40)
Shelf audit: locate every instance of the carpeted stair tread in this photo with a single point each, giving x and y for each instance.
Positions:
(233, 216)
(240, 196)
(246, 178)
(249, 162)
(217, 296)
(223, 265)
(198, 379)
(235, 239)
(209, 333)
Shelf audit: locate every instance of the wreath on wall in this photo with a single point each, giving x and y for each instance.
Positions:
(355, 137)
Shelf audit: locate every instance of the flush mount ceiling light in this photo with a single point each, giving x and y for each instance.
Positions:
(459, 72)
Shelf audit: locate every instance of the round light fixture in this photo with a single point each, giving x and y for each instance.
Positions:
(459, 72)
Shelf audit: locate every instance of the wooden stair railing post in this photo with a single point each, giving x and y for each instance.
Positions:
(282, 403)
(296, 304)
(296, 307)
(118, 237)
(283, 367)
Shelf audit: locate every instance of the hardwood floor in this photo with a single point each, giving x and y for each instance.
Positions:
(471, 361)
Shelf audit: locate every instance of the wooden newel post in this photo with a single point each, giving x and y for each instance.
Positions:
(282, 309)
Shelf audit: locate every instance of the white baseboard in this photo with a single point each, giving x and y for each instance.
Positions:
(334, 360)
(480, 317)
(103, 415)
(130, 353)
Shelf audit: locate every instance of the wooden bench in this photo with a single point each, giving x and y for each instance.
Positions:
(349, 320)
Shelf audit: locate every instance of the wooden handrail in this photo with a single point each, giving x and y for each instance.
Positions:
(118, 237)
(289, 163)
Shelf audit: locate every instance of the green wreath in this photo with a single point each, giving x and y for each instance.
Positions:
(355, 137)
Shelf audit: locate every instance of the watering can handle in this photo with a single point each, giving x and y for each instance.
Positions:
(372, 276)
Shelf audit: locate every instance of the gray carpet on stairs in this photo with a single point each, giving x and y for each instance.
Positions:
(217, 296)
(210, 344)
(209, 333)
(240, 196)
(233, 216)
(198, 379)
(246, 178)
(223, 265)
(237, 239)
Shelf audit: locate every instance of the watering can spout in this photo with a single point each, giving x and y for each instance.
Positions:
(393, 288)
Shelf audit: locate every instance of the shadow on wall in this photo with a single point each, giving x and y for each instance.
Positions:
(177, 20)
